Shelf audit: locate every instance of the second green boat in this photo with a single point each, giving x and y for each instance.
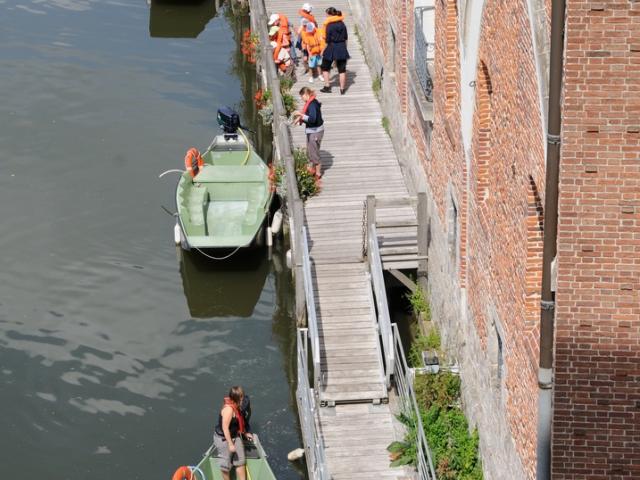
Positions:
(207, 469)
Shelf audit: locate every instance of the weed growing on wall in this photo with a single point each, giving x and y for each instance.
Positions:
(420, 304)
(386, 125)
(423, 343)
(453, 447)
(289, 103)
(376, 86)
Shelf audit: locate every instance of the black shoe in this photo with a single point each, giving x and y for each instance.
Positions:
(325, 89)
(342, 90)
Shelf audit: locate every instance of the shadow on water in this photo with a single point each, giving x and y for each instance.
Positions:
(180, 19)
(229, 288)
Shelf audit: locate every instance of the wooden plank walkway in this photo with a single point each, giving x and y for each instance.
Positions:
(358, 160)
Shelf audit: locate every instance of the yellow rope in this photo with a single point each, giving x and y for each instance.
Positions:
(246, 141)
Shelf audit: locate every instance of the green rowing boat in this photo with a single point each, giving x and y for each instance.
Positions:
(257, 466)
(224, 195)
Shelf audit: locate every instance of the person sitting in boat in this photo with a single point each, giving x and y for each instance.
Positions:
(229, 432)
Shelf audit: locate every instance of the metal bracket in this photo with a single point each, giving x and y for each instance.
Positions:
(547, 305)
(553, 139)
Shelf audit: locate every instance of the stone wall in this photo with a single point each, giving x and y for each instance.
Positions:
(596, 422)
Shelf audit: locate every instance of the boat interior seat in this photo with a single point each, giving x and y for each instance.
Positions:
(196, 206)
(230, 174)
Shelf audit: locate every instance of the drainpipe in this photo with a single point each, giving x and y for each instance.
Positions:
(547, 303)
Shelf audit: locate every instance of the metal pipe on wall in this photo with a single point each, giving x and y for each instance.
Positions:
(547, 301)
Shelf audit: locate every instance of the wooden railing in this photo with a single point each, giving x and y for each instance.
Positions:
(282, 143)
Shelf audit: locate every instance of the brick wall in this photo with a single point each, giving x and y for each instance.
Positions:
(504, 244)
(596, 422)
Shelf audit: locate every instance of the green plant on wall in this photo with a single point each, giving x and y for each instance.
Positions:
(423, 343)
(286, 84)
(289, 103)
(308, 182)
(420, 303)
(441, 390)
(406, 451)
(376, 86)
(455, 450)
(386, 125)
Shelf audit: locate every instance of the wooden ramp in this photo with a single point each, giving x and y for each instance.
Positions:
(358, 160)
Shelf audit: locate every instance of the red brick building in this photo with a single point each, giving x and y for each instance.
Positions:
(468, 80)
(596, 423)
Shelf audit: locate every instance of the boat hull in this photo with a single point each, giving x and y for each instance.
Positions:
(225, 206)
(257, 466)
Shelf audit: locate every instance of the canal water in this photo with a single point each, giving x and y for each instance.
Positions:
(115, 348)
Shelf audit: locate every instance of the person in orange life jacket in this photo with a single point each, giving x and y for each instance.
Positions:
(305, 17)
(311, 116)
(283, 38)
(233, 424)
(314, 44)
(283, 61)
(336, 38)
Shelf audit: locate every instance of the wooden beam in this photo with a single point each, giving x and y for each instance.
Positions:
(403, 279)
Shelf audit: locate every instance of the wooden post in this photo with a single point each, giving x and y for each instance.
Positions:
(422, 238)
(301, 303)
(371, 218)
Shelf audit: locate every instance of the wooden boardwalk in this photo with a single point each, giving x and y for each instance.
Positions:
(358, 160)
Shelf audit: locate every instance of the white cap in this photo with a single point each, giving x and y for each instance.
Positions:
(273, 18)
(307, 7)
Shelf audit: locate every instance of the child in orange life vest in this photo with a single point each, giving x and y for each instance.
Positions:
(305, 17)
(314, 45)
(282, 60)
(279, 23)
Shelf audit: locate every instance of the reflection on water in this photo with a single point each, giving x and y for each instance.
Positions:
(229, 288)
(180, 18)
(104, 371)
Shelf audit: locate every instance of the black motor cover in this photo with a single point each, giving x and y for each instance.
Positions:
(228, 119)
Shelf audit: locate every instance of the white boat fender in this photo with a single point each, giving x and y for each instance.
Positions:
(296, 454)
(177, 235)
(269, 237)
(288, 258)
(276, 223)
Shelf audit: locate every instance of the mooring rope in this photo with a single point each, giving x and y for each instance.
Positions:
(211, 257)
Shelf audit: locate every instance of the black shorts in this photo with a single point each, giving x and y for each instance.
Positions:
(341, 64)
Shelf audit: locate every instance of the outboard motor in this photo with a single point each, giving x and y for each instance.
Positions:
(229, 120)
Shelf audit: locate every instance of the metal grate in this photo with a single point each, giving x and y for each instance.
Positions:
(420, 49)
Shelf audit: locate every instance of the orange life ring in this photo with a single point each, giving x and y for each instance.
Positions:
(183, 473)
(193, 161)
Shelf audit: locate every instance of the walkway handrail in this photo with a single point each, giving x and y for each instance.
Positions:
(403, 378)
(307, 411)
(282, 142)
(380, 294)
(312, 319)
